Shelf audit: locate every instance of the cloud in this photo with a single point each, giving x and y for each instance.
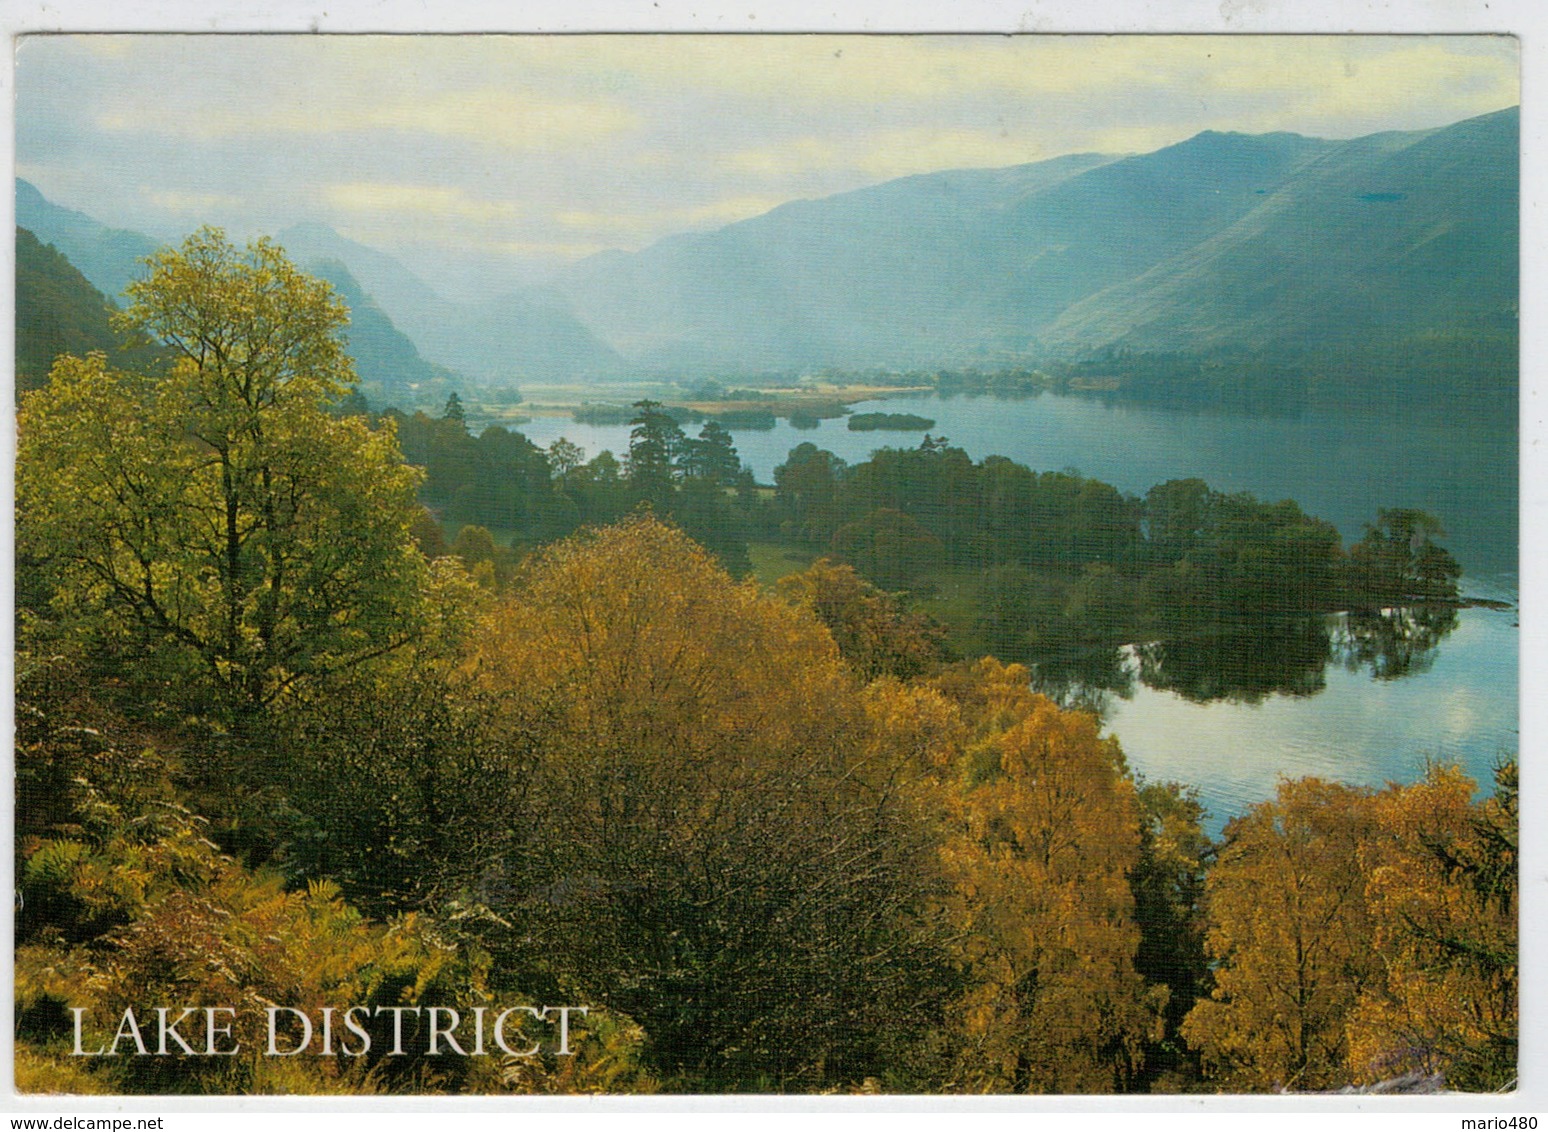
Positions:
(375, 197)
(897, 153)
(182, 203)
(634, 228)
(1335, 85)
(794, 156)
(552, 146)
(837, 72)
(206, 88)
(505, 119)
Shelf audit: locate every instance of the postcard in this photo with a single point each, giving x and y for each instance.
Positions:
(792, 565)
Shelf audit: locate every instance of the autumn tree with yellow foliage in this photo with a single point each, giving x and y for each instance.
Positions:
(214, 526)
(1363, 936)
(718, 844)
(1041, 833)
(1292, 940)
(1441, 886)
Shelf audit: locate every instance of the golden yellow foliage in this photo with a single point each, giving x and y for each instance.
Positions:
(1042, 832)
(632, 643)
(1441, 889)
(872, 630)
(720, 841)
(1292, 939)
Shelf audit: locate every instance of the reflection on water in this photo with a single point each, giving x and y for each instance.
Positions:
(1263, 657)
(1396, 642)
(1087, 680)
(1361, 699)
(1279, 657)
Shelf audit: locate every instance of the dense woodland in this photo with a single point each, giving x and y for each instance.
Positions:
(279, 740)
(1058, 569)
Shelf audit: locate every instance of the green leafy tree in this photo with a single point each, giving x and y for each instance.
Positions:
(1399, 561)
(654, 445)
(564, 456)
(889, 547)
(712, 456)
(1168, 886)
(218, 516)
(806, 486)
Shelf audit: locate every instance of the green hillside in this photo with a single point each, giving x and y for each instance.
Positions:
(1400, 244)
(1387, 237)
(57, 312)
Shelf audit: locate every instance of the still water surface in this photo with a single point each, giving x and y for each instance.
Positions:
(1338, 466)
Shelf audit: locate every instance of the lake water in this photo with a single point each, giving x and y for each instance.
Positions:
(1341, 467)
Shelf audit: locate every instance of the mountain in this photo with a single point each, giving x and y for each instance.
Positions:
(1221, 241)
(877, 275)
(1393, 236)
(386, 361)
(531, 333)
(401, 294)
(526, 334)
(58, 311)
(954, 266)
(59, 301)
(1394, 252)
(108, 257)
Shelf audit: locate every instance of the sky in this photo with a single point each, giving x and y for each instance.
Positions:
(481, 158)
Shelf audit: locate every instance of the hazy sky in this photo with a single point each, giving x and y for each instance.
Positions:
(469, 153)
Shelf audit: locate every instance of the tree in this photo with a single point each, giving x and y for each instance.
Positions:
(217, 517)
(1168, 889)
(1442, 888)
(806, 486)
(1178, 518)
(718, 844)
(889, 547)
(1399, 562)
(454, 411)
(564, 456)
(1042, 833)
(1291, 938)
(871, 628)
(712, 456)
(654, 445)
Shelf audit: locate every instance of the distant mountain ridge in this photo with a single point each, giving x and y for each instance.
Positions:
(1394, 234)
(386, 360)
(1223, 242)
(512, 337)
(58, 311)
(108, 257)
(401, 332)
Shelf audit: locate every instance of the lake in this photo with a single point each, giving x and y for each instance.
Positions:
(1340, 466)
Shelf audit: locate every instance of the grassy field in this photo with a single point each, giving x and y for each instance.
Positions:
(950, 595)
(772, 561)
